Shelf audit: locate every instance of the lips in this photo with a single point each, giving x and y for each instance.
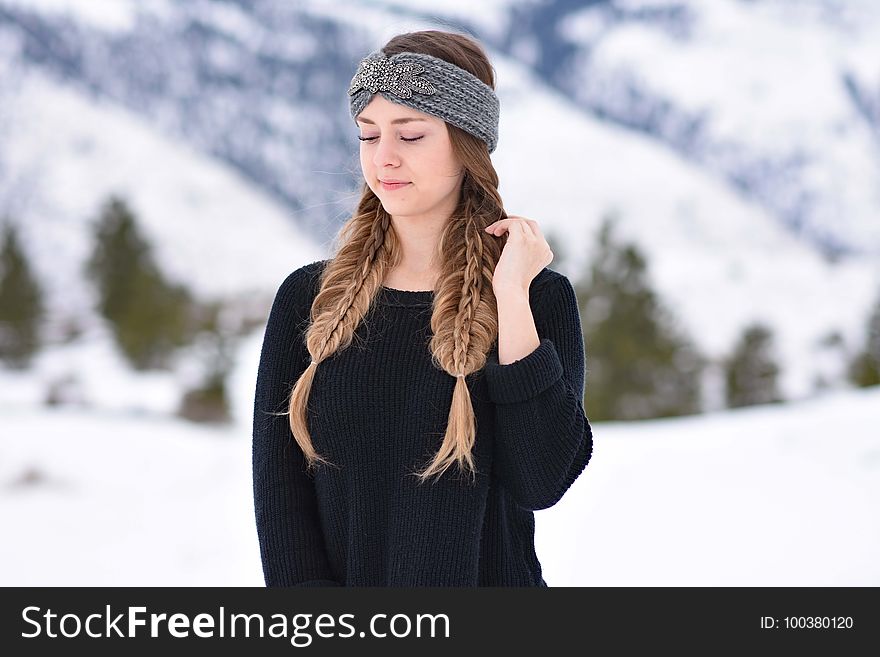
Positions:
(391, 185)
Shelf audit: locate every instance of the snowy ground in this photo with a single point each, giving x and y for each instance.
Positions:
(764, 496)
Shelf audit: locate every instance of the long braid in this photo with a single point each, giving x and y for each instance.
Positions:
(464, 329)
(348, 285)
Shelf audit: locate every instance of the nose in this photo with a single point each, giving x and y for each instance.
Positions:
(385, 153)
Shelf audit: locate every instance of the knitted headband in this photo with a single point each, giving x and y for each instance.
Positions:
(430, 85)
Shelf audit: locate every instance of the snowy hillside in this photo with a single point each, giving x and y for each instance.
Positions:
(719, 258)
(767, 95)
(210, 228)
(774, 496)
(759, 497)
(241, 83)
(778, 99)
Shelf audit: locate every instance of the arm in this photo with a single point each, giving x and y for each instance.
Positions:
(291, 542)
(544, 440)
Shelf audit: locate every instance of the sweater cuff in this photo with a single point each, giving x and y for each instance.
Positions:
(525, 378)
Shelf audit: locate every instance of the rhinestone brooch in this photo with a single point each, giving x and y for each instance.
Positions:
(384, 75)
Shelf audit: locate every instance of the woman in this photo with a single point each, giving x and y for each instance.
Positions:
(436, 363)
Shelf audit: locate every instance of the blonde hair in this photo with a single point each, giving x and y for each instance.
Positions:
(464, 318)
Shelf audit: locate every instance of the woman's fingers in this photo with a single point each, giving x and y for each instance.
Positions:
(529, 226)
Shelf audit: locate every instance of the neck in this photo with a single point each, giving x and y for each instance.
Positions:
(418, 240)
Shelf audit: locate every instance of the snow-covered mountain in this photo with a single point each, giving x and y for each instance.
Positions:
(208, 224)
(226, 124)
(780, 100)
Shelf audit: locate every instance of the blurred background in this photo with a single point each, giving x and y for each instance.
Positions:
(708, 176)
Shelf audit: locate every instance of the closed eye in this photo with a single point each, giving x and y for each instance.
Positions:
(403, 138)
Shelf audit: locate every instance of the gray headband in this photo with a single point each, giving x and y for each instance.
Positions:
(430, 85)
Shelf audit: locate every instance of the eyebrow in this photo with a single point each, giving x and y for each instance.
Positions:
(395, 121)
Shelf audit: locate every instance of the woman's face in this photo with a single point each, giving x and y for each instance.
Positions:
(404, 144)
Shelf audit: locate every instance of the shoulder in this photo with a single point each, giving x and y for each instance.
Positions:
(302, 283)
(548, 281)
(552, 297)
(296, 294)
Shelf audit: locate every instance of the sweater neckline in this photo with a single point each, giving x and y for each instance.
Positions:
(395, 297)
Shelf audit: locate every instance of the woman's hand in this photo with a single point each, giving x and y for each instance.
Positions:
(524, 255)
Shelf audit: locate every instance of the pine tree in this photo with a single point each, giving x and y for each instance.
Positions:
(750, 373)
(150, 317)
(638, 366)
(21, 303)
(864, 370)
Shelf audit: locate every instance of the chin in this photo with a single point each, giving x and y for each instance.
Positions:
(396, 209)
(394, 202)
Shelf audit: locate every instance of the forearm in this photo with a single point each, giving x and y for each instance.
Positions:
(543, 437)
(517, 335)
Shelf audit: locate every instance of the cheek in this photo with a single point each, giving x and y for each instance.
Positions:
(437, 167)
(368, 172)
(448, 166)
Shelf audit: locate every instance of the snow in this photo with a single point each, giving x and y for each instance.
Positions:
(109, 15)
(490, 17)
(126, 500)
(769, 79)
(765, 496)
(208, 226)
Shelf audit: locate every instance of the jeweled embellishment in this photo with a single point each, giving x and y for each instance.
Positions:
(384, 75)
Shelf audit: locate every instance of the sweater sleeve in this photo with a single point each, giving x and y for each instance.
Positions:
(543, 436)
(292, 545)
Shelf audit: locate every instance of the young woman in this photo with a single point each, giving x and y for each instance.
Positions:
(419, 394)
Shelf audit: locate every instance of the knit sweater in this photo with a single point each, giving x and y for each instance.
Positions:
(378, 410)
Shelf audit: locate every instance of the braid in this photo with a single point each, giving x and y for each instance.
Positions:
(348, 284)
(464, 326)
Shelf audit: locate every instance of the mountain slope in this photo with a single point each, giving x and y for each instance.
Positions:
(217, 118)
(209, 228)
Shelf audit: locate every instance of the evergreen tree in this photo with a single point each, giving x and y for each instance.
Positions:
(21, 303)
(638, 366)
(864, 370)
(750, 373)
(150, 317)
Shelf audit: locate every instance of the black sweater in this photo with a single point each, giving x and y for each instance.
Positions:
(379, 410)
